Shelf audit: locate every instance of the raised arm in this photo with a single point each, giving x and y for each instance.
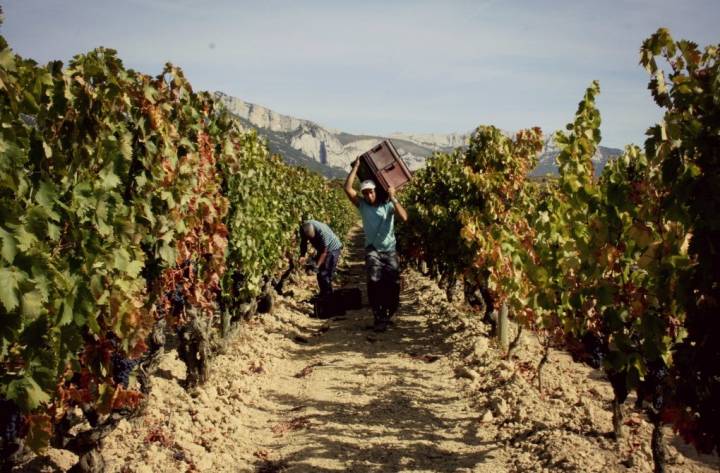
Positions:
(399, 209)
(352, 193)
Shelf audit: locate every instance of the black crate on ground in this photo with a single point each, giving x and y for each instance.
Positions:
(328, 306)
(350, 298)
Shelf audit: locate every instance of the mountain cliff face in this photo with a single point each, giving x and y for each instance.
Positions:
(330, 152)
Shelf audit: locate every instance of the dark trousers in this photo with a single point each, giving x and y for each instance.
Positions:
(326, 272)
(383, 282)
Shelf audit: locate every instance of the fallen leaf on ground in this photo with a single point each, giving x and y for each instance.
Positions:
(256, 367)
(158, 435)
(426, 358)
(308, 369)
(262, 454)
(297, 423)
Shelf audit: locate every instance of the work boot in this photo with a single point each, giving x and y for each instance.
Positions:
(380, 319)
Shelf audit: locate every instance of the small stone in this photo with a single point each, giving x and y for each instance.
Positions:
(465, 372)
(480, 347)
(500, 406)
(487, 416)
(590, 412)
(506, 365)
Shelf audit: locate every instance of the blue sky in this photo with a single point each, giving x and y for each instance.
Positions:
(381, 67)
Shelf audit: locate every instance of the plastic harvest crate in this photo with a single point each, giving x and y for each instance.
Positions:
(383, 165)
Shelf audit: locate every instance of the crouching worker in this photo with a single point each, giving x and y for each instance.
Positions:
(327, 251)
(381, 263)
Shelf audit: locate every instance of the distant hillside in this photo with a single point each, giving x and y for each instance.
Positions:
(279, 143)
(547, 165)
(330, 152)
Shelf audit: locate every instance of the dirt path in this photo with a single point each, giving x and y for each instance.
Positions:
(371, 402)
(296, 394)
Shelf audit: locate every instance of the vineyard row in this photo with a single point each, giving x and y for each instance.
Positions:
(131, 207)
(622, 270)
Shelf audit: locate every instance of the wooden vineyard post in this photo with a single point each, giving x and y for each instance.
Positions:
(503, 328)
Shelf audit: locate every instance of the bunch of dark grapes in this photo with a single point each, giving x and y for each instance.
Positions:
(596, 355)
(177, 299)
(12, 424)
(660, 375)
(122, 367)
(652, 388)
(590, 350)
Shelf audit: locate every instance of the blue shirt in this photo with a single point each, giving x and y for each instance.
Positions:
(324, 238)
(378, 225)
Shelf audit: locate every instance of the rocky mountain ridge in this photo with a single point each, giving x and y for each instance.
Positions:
(330, 152)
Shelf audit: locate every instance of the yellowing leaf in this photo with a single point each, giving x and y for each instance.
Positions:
(134, 268)
(39, 431)
(121, 260)
(32, 304)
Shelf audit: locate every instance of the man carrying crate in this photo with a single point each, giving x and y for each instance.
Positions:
(381, 263)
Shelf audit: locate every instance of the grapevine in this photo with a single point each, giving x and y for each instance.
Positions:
(128, 203)
(619, 270)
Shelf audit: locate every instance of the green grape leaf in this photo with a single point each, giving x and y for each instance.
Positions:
(121, 260)
(10, 279)
(9, 248)
(167, 253)
(27, 393)
(25, 239)
(66, 314)
(109, 179)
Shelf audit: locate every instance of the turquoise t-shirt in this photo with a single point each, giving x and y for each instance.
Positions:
(378, 223)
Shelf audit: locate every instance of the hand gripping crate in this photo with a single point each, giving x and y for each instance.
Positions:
(383, 165)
